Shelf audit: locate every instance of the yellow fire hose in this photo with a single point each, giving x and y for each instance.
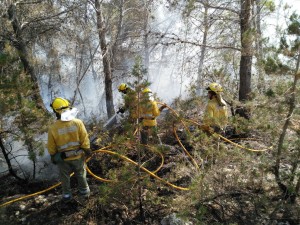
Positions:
(104, 150)
(143, 168)
(231, 142)
(31, 195)
(180, 143)
(183, 123)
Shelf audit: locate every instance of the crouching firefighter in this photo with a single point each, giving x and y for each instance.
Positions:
(68, 145)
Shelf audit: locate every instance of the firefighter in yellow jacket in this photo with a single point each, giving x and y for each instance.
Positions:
(148, 112)
(68, 144)
(215, 116)
(130, 102)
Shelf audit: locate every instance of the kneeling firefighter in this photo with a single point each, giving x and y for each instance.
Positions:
(68, 145)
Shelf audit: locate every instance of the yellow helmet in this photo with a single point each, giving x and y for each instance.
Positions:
(215, 87)
(59, 103)
(147, 90)
(122, 87)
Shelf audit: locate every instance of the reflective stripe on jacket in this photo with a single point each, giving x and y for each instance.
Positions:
(149, 111)
(67, 135)
(215, 114)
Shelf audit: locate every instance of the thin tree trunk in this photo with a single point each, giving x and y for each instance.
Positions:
(106, 60)
(202, 53)
(146, 44)
(7, 160)
(297, 189)
(292, 105)
(140, 186)
(259, 49)
(20, 45)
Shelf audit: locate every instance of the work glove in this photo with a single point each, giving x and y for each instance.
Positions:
(57, 158)
(53, 160)
(162, 107)
(121, 110)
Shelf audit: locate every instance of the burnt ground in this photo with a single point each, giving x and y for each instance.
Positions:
(48, 208)
(121, 206)
(133, 201)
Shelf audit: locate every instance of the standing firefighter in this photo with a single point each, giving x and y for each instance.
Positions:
(130, 102)
(68, 144)
(148, 113)
(216, 115)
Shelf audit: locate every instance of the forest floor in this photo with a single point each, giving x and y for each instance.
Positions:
(132, 201)
(48, 208)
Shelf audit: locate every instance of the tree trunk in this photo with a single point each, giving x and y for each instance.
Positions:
(202, 53)
(146, 43)
(20, 45)
(246, 56)
(7, 160)
(292, 105)
(245, 78)
(106, 60)
(259, 48)
(246, 51)
(119, 35)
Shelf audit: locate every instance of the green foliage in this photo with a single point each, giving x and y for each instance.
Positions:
(294, 26)
(283, 43)
(249, 35)
(270, 5)
(237, 169)
(138, 70)
(32, 155)
(105, 191)
(4, 58)
(16, 90)
(270, 93)
(270, 65)
(189, 7)
(274, 65)
(281, 60)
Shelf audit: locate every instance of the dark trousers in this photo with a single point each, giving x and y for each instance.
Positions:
(147, 132)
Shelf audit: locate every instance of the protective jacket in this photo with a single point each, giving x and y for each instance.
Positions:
(216, 114)
(148, 112)
(64, 136)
